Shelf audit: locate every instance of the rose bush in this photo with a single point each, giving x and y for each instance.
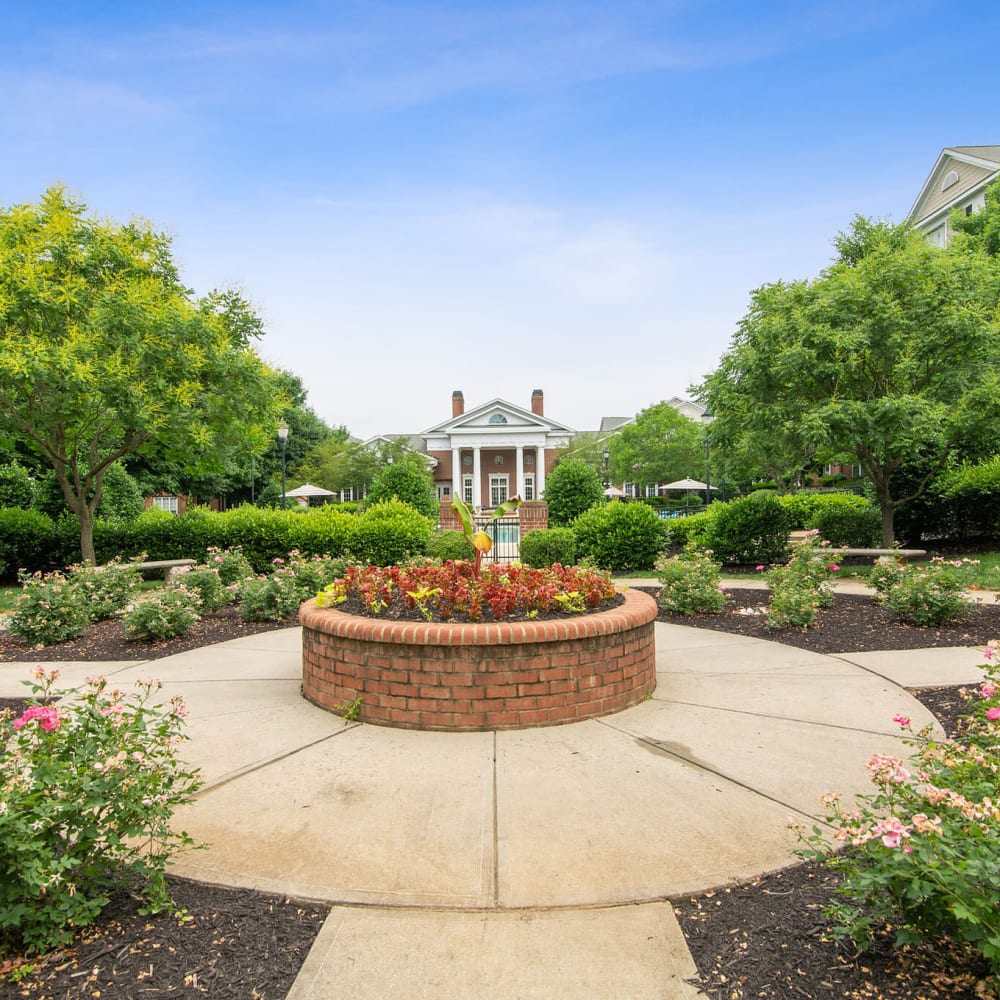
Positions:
(87, 791)
(922, 854)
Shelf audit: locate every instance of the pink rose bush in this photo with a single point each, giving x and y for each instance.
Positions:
(922, 853)
(87, 792)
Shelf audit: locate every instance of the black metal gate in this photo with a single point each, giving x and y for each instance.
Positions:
(505, 533)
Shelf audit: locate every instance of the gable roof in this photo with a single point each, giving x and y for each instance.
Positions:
(479, 418)
(974, 166)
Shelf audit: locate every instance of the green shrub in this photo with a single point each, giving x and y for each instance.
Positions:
(206, 582)
(886, 573)
(121, 498)
(547, 546)
(27, 541)
(749, 530)
(90, 787)
(163, 614)
(106, 590)
(931, 594)
(48, 610)
(390, 532)
(854, 526)
(691, 583)
(404, 481)
(450, 544)
(571, 488)
(621, 537)
(682, 532)
(16, 486)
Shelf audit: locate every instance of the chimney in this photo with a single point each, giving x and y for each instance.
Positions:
(538, 402)
(457, 403)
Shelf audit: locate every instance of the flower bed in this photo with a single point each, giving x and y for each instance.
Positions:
(463, 676)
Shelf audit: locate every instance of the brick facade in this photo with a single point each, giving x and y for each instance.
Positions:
(473, 677)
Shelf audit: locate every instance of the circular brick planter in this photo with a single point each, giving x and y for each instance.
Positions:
(461, 677)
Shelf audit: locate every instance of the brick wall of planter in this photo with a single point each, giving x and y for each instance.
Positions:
(462, 677)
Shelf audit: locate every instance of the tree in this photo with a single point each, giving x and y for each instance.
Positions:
(661, 446)
(889, 355)
(981, 230)
(571, 488)
(103, 352)
(409, 482)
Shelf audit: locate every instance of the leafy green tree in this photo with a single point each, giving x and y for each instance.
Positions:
(661, 446)
(981, 230)
(589, 447)
(890, 356)
(408, 482)
(571, 488)
(103, 352)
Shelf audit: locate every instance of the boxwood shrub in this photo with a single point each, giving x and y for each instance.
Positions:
(749, 530)
(450, 544)
(546, 546)
(27, 541)
(390, 532)
(693, 529)
(621, 537)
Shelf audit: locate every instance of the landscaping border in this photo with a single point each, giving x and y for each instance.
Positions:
(472, 677)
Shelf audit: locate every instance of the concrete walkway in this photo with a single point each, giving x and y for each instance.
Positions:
(534, 863)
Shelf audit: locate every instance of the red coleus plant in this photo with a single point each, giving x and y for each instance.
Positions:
(443, 590)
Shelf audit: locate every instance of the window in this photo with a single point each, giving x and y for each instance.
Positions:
(968, 209)
(950, 178)
(166, 503)
(443, 491)
(529, 459)
(529, 487)
(467, 489)
(653, 490)
(347, 495)
(629, 489)
(498, 418)
(498, 490)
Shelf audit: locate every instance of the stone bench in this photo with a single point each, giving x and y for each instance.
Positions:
(874, 554)
(169, 566)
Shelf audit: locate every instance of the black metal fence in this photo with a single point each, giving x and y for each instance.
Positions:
(505, 533)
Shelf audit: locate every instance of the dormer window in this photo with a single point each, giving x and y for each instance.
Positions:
(950, 178)
(498, 418)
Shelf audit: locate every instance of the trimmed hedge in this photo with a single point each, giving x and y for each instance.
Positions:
(386, 533)
(449, 544)
(27, 541)
(620, 537)
(752, 529)
(545, 546)
(693, 529)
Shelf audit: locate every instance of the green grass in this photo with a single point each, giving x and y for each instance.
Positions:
(7, 597)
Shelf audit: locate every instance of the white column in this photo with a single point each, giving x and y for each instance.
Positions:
(477, 478)
(456, 473)
(519, 467)
(539, 472)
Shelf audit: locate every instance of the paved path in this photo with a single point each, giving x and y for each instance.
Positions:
(534, 863)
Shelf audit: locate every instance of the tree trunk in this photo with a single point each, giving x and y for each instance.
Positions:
(888, 530)
(86, 518)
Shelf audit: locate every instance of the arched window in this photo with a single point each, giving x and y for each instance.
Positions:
(498, 418)
(949, 178)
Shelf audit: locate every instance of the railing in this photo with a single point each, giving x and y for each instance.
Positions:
(505, 533)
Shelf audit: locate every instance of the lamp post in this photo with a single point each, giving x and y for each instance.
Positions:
(283, 438)
(607, 458)
(706, 419)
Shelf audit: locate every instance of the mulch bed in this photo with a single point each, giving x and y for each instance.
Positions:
(766, 938)
(852, 623)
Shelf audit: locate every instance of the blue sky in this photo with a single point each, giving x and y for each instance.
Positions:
(493, 197)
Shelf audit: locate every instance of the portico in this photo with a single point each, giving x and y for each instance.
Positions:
(495, 451)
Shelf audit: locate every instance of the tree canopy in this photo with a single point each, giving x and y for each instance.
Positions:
(661, 446)
(571, 488)
(104, 353)
(889, 356)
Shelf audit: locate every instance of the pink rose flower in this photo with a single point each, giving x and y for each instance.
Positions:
(48, 718)
(903, 720)
(993, 714)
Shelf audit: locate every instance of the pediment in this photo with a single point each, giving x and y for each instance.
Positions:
(955, 175)
(497, 417)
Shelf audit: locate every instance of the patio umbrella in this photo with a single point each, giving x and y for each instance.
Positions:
(688, 484)
(308, 490)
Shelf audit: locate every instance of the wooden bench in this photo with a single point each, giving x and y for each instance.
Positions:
(169, 566)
